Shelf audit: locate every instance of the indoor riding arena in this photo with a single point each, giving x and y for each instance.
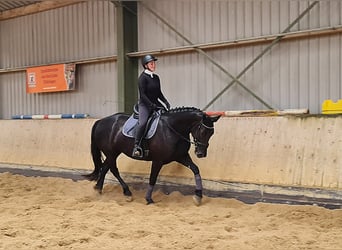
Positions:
(271, 69)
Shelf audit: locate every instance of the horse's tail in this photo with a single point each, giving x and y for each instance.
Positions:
(96, 155)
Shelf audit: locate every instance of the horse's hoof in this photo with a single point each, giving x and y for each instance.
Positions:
(149, 201)
(129, 198)
(127, 192)
(99, 190)
(197, 200)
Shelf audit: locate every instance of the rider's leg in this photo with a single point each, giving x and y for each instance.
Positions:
(139, 133)
(140, 130)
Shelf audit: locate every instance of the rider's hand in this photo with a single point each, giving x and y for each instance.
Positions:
(167, 105)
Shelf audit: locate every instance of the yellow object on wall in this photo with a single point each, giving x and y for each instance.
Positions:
(330, 107)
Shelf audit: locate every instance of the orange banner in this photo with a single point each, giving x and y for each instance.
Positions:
(52, 78)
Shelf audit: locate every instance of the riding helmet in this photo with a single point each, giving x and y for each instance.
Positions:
(146, 59)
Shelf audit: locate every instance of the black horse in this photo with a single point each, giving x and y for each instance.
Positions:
(171, 142)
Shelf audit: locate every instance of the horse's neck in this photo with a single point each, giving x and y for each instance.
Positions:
(184, 121)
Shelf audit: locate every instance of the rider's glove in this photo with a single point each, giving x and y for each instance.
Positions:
(167, 105)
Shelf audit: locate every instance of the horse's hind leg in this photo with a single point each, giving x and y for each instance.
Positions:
(125, 188)
(187, 161)
(103, 172)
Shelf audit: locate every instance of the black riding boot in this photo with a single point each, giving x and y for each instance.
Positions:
(137, 150)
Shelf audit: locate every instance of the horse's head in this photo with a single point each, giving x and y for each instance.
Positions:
(202, 132)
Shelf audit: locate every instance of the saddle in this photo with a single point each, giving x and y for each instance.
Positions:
(151, 126)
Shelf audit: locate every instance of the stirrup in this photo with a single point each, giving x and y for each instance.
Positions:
(137, 152)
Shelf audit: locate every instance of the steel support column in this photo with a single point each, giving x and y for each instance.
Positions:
(127, 41)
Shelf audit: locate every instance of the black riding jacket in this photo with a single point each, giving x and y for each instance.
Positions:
(150, 90)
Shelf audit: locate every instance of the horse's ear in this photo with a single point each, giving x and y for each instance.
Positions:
(215, 118)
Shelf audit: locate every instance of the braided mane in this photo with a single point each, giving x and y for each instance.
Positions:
(183, 109)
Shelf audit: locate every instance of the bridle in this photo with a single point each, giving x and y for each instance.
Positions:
(196, 142)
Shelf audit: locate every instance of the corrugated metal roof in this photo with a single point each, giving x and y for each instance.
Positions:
(8, 5)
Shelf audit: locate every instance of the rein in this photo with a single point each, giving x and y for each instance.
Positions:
(177, 133)
(195, 142)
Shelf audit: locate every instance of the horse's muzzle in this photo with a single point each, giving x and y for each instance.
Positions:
(201, 153)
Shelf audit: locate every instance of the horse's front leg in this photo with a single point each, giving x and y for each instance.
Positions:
(155, 169)
(187, 161)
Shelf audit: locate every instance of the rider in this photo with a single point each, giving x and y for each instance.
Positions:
(150, 96)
